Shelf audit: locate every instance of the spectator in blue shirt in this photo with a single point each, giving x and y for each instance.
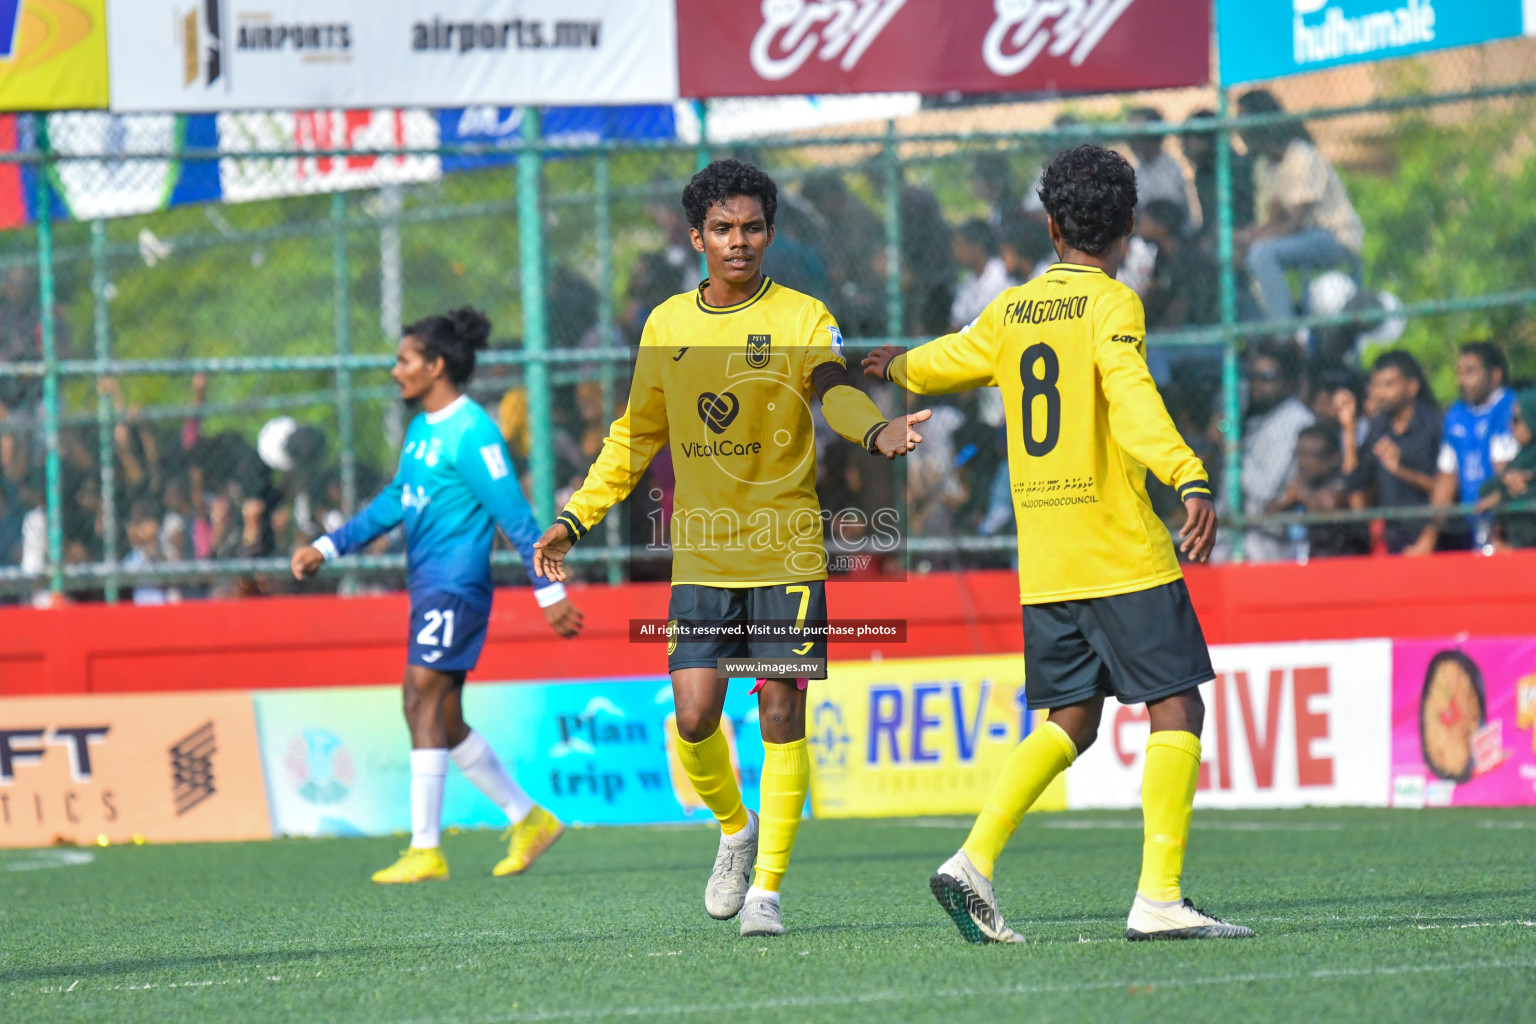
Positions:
(1475, 445)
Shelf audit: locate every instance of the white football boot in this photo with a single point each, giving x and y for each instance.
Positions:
(727, 887)
(760, 915)
(1180, 921)
(967, 897)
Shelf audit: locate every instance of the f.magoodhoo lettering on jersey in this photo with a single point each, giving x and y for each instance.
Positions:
(1045, 311)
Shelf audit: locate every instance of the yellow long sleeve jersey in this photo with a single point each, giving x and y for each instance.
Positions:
(1085, 423)
(730, 388)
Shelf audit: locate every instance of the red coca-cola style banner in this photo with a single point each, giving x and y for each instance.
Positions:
(772, 47)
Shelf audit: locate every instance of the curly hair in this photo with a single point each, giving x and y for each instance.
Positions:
(724, 180)
(1090, 191)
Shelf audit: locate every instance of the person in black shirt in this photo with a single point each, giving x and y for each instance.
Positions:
(1395, 466)
(1200, 150)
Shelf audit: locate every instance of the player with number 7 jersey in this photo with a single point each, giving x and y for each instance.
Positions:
(1105, 608)
(455, 487)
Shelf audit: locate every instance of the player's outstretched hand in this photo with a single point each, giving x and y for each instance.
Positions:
(564, 618)
(898, 437)
(874, 363)
(1199, 533)
(549, 553)
(306, 562)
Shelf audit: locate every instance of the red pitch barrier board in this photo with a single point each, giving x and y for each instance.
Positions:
(327, 641)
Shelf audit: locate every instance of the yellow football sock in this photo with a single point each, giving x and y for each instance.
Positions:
(1167, 798)
(1043, 755)
(708, 764)
(786, 780)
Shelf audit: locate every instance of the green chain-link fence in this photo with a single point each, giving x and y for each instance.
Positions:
(145, 356)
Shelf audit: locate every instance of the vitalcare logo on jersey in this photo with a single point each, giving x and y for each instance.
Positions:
(793, 31)
(1321, 31)
(718, 412)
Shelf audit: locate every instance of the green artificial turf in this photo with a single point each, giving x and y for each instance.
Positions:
(1362, 915)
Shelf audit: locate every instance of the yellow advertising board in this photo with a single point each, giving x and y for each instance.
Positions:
(917, 736)
(53, 54)
(167, 767)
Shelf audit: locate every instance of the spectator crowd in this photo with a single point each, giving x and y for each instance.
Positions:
(1367, 448)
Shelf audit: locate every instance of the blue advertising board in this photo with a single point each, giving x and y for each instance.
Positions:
(337, 762)
(1260, 39)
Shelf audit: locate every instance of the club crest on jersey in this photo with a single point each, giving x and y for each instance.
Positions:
(718, 411)
(758, 349)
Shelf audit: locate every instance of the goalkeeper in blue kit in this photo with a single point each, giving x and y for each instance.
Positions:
(455, 486)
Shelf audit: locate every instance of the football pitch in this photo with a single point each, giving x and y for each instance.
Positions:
(1379, 915)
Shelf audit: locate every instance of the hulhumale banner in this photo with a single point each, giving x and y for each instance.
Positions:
(601, 752)
(1464, 723)
(1270, 38)
(794, 47)
(208, 55)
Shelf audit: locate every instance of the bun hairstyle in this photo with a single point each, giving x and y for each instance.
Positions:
(454, 338)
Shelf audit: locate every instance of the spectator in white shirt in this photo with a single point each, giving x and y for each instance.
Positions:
(986, 275)
(1158, 175)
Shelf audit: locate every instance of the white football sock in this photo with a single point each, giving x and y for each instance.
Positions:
(744, 835)
(481, 766)
(767, 894)
(428, 770)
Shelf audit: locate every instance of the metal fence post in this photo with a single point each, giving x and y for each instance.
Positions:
(530, 233)
(891, 163)
(1231, 413)
(391, 315)
(341, 314)
(603, 186)
(701, 109)
(105, 418)
(48, 330)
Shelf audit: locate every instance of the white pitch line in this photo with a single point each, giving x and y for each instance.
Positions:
(891, 996)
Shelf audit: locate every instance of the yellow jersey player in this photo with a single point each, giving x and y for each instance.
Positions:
(725, 376)
(1106, 610)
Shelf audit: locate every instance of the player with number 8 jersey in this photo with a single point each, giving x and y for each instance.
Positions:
(454, 488)
(1105, 608)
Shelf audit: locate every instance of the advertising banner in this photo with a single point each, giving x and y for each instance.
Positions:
(915, 736)
(792, 47)
(1464, 723)
(53, 54)
(1270, 38)
(1286, 725)
(167, 768)
(601, 752)
(215, 55)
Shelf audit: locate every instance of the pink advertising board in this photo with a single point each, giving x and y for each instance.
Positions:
(1463, 713)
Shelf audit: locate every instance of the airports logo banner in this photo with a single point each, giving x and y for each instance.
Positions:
(215, 55)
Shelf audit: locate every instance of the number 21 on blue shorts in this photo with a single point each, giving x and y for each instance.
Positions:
(447, 633)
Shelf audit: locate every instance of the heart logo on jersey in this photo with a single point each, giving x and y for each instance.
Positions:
(718, 411)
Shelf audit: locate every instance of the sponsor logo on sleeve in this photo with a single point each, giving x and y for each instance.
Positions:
(495, 461)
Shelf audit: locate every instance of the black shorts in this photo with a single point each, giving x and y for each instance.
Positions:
(1138, 647)
(801, 605)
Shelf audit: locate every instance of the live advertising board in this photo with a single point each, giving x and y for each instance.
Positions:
(162, 768)
(213, 55)
(794, 47)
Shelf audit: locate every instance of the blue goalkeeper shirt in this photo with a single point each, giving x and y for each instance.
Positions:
(455, 486)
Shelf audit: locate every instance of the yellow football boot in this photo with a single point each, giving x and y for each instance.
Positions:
(415, 866)
(530, 838)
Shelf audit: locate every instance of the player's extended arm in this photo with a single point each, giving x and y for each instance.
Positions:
(378, 517)
(632, 442)
(955, 362)
(485, 466)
